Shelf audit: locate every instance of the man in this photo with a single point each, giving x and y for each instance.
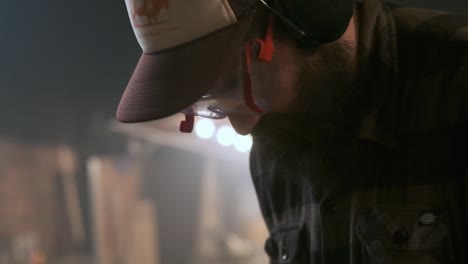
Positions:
(359, 113)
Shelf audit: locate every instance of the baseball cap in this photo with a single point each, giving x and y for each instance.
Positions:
(184, 43)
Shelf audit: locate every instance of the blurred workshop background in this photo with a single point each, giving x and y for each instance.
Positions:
(76, 187)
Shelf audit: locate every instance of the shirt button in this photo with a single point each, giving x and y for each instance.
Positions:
(284, 249)
(401, 236)
(427, 218)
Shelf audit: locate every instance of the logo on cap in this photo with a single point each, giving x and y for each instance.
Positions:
(146, 12)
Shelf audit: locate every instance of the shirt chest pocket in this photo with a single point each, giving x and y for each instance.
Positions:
(405, 234)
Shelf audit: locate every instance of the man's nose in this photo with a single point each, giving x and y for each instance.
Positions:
(244, 124)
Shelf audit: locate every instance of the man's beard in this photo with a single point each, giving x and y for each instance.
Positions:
(326, 116)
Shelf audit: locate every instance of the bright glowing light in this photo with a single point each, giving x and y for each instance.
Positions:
(205, 128)
(243, 143)
(226, 135)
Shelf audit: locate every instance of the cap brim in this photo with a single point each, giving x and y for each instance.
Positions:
(165, 83)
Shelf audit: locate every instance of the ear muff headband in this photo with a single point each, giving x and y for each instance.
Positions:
(313, 22)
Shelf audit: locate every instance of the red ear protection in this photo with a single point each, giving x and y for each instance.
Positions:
(267, 46)
(186, 126)
(266, 55)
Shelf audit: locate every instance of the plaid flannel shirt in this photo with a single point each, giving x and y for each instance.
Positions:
(404, 199)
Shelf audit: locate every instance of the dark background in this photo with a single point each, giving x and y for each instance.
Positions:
(64, 64)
